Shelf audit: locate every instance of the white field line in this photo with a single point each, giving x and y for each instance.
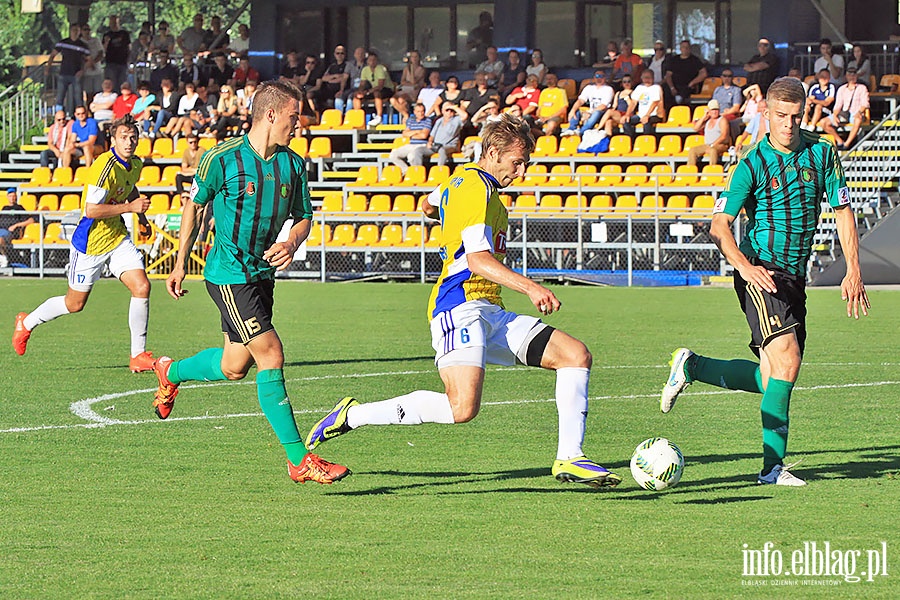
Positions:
(84, 408)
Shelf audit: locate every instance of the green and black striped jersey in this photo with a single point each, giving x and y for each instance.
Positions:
(251, 198)
(782, 195)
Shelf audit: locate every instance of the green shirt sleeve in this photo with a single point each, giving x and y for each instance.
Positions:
(301, 203)
(208, 180)
(738, 189)
(836, 189)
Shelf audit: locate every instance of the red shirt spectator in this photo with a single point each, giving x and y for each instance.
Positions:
(526, 96)
(244, 72)
(125, 101)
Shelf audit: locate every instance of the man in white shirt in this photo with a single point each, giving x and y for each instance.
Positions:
(828, 60)
(650, 109)
(597, 97)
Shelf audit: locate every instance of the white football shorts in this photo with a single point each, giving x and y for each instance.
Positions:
(477, 333)
(86, 269)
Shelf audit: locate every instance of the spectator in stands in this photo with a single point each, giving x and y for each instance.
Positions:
(627, 63)
(91, 78)
(716, 135)
(241, 44)
(728, 96)
(684, 75)
(762, 68)
(165, 107)
(480, 37)
(246, 105)
(190, 160)
(487, 113)
(553, 105)
(125, 101)
(354, 70)
(164, 70)
(612, 53)
(57, 141)
(310, 78)
(11, 226)
(657, 61)
(101, 105)
(141, 109)
(756, 128)
(850, 108)
(139, 54)
(189, 101)
(191, 39)
(452, 94)
(94, 44)
(375, 84)
(752, 103)
(650, 111)
(163, 40)
(474, 98)
(444, 139)
(513, 74)
(73, 51)
(244, 72)
(116, 46)
(335, 79)
(860, 61)
(597, 97)
(418, 128)
(819, 100)
(412, 79)
(828, 59)
(189, 71)
(83, 138)
(492, 67)
(429, 94)
(291, 69)
(527, 97)
(623, 107)
(537, 66)
(227, 113)
(221, 72)
(216, 40)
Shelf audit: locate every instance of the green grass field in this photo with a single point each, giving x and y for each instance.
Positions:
(200, 506)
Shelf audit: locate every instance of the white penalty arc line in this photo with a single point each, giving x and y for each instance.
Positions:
(84, 408)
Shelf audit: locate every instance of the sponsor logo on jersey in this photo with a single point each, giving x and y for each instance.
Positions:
(843, 196)
(775, 184)
(285, 190)
(251, 188)
(269, 177)
(719, 206)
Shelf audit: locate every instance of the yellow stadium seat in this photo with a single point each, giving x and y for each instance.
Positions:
(319, 147)
(571, 88)
(62, 176)
(39, 176)
(390, 175)
(380, 203)
(601, 203)
(664, 175)
(560, 175)
(691, 141)
(332, 202)
(176, 203)
(545, 145)
(168, 175)
(576, 202)
(437, 175)
(343, 235)
(535, 175)
(586, 175)
(70, 202)
(619, 145)
(609, 175)
(54, 233)
(568, 146)
(626, 204)
(651, 203)
(366, 235)
(316, 236)
(505, 200)
(677, 205)
(300, 145)
(526, 203)
(467, 84)
(669, 145)
(391, 235)
(81, 175)
(159, 203)
(708, 87)
(404, 203)
(180, 146)
(634, 175)
(413, 237)
(644, 145)
(739, 80)
(144, 148)
(702, 206)
(679, 116)
(421, 202)
(366, 176)
(434, 237)
(48, 202)
(699, 111)
(162, 148)
(149, 175)
(712, 175)
(31, 235)
(208, 142)
(332, 118)
(28, 201)
(685, 175)
(355, 119)
(551, 203)
(356, 203)
(415, 175)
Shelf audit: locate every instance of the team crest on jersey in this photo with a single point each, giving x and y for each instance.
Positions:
(285, 190)
(807, 175)
(500, 242)
(251, 188)
(775, 184)
(119, 191)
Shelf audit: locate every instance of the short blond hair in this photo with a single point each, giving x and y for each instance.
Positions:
(275, 95)
(506, 132)
(787, 89)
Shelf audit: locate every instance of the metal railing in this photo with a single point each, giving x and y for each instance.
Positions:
(22, 107)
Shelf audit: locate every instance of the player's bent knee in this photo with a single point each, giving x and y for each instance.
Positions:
(464, 414)
(233, 375)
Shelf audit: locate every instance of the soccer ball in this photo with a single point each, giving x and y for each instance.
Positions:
(657, 464)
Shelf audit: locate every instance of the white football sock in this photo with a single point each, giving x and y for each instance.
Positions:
(572, 406)
(49, 310)
(138, 315)
(421, 406)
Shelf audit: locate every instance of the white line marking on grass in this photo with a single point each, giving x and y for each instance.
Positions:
(84, 408)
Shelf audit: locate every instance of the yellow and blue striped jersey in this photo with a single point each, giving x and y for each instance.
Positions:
(472, 220)
(113, 183)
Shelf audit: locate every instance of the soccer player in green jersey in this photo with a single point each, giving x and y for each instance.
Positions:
(255, 183)
(780, 182)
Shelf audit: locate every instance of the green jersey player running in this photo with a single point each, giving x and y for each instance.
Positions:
(780, 183)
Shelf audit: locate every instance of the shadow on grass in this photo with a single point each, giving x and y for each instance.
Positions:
(310, 363)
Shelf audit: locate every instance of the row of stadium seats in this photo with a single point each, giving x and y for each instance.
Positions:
(151, 175)
(371, 235)
(32, 234)
(669, 145)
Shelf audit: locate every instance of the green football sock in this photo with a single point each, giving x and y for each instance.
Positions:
(774, 408)
(277, 407)
(735, 374)
(206, 365)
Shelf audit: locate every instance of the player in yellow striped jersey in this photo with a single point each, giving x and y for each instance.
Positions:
(469, 325)
(101, 240)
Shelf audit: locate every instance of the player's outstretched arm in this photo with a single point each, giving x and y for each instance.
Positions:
(721, 234)
(484, 264)
(281, 254)
(190, 227)
(852, 288)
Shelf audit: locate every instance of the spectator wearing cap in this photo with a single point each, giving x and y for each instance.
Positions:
(716, 135)
(657, 61)
(762, 67)
(829, 60)
(597, 97)
(728, 96)
(850, 108)
(627, 63)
